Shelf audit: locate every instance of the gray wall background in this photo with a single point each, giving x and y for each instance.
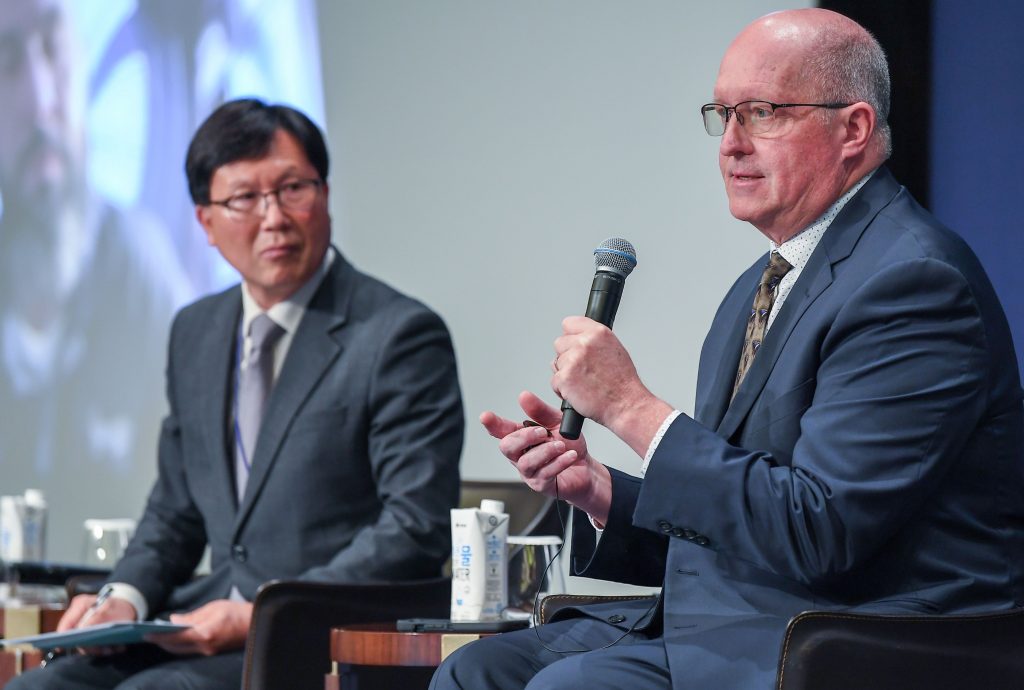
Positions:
(483, 149)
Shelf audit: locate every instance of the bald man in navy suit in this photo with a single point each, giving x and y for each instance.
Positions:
(858, 436)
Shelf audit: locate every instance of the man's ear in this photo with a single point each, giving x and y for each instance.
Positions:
(204, 214)
(859, 122)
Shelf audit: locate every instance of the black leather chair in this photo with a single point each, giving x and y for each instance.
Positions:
(554, 603)
(74, 579)
(289, 639)
(48, 572)
(846, 651)
(833, 650)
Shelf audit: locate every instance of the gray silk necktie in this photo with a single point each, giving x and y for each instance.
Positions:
(255, 380)
(758, 320)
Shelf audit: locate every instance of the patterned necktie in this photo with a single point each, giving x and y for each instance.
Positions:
(757, 322)
(254, 383)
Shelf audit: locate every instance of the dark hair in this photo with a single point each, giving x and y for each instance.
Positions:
(244, 130)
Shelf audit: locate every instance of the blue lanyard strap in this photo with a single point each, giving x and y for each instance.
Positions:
(238, 432)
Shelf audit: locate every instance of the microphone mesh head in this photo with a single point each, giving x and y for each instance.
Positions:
(615, 254)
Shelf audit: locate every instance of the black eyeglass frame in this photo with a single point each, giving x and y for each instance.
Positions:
(261, 197)
(710, 107)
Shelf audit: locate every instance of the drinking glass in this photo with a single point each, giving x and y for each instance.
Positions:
(105, 540)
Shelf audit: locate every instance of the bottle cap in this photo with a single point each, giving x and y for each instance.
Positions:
(35, 498)
(489, 505)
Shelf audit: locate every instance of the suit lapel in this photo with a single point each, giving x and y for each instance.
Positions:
(216, 352)
(836, 244)
(729, 344)
(816, 276)
(313, 350)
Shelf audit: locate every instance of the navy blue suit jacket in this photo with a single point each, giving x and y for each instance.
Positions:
(873, 457)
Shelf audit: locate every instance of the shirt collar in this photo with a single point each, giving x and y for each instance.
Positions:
(798, 248)
(288, 312)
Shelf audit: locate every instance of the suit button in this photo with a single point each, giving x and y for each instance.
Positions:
(701, 540)
(616, 618)
(664, 527)
(689, 534)
(677, 532)
(239, 553)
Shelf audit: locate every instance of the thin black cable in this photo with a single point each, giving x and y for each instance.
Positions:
(536, 598)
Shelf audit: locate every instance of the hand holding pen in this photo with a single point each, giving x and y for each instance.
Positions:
(89, 609)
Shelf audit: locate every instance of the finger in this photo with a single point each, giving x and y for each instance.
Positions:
(557, 465)
(556, 387)
(79, 605)
(563, 344)
(572, 325)
(539, 411)
(174, 648)
(539, 457)
(515, 444)
(184, 642)
(496, 426)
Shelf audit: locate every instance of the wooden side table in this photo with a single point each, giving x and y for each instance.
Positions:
(14, 663)
(29, 620)
(18, 621)
(380, 645)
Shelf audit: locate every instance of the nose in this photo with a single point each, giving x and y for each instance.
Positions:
(273, 216)
(42, 78)
(735, 140)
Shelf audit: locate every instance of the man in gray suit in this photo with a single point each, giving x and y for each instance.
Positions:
(352, 472)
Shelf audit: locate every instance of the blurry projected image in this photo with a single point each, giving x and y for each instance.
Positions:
(98, 240)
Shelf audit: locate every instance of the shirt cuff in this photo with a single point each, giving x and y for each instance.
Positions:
(662, 430)
(127, 592)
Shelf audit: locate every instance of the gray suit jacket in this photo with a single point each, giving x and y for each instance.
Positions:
(355, 468)
(873, 457)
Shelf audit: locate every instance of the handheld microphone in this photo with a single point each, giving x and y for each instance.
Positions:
(614, 259)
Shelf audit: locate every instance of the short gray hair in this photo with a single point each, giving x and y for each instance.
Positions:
(846, 67)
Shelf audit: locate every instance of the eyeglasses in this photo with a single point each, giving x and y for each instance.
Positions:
(757, 117)
(297, 195)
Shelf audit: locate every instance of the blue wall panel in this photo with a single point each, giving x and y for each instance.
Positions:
(977, 138)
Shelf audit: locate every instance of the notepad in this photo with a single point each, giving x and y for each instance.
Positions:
(104, 634)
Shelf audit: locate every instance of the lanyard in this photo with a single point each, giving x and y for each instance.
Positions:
(238, 431)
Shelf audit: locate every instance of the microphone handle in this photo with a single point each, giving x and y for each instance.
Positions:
(605, 294)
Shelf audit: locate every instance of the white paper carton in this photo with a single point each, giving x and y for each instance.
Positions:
(479, 562)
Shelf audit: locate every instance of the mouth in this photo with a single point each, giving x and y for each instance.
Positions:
(279, 251)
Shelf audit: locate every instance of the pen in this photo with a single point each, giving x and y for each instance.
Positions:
(53, 655)
(103, 595)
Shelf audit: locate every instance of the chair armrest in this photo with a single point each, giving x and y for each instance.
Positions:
(49, 573)
(554, 603)
(85, 584)
(853, 651)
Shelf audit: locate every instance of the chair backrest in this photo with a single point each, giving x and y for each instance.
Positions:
(289, 640)
(846, 651)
